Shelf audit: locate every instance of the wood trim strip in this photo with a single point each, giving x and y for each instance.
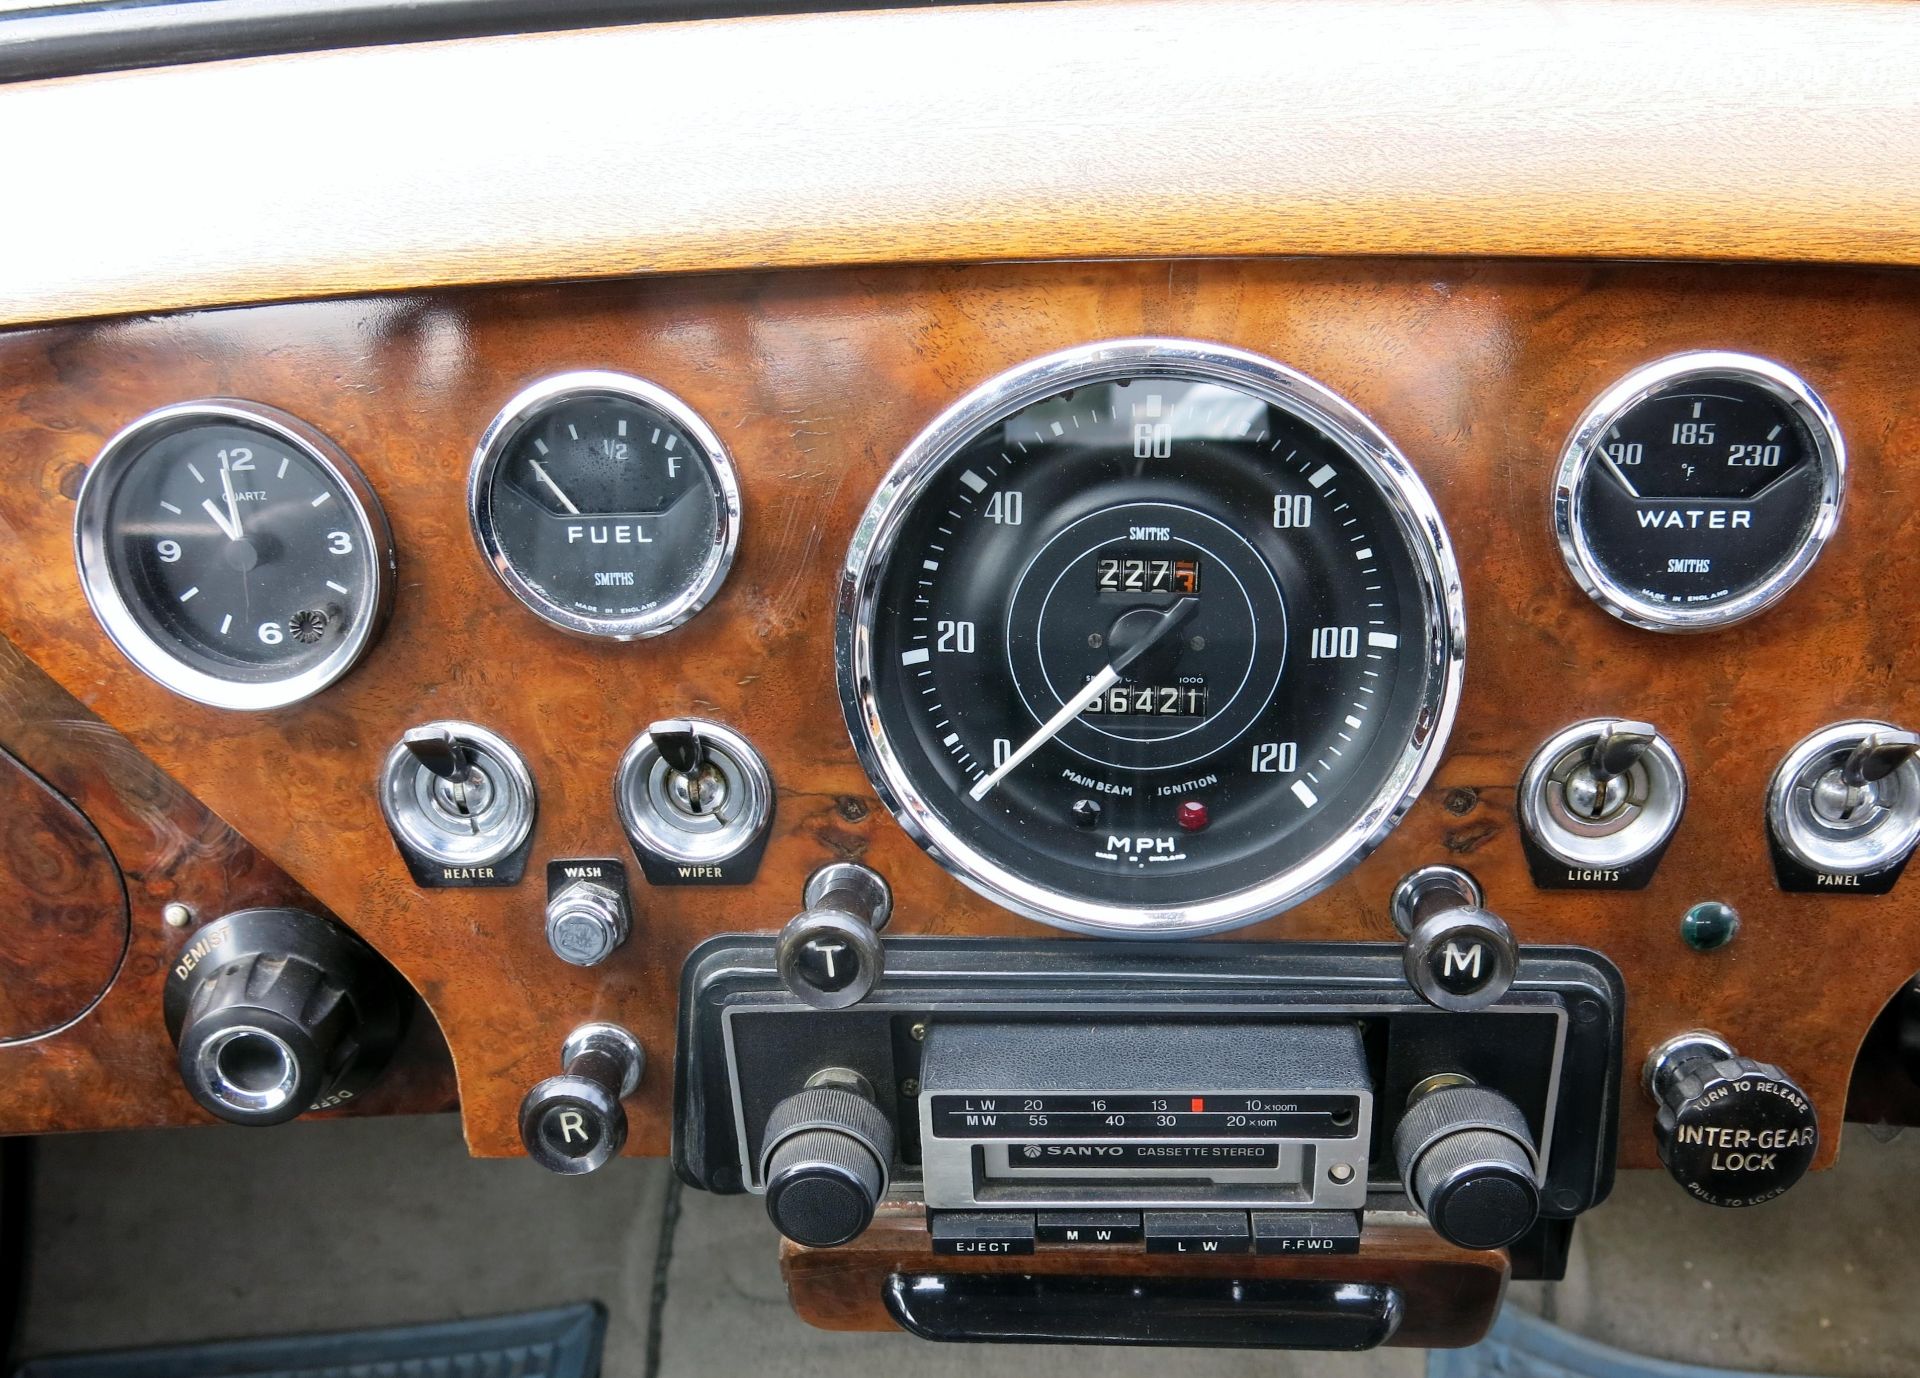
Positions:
(1746, 129)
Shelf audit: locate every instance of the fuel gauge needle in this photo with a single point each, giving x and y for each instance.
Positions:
(1095, 687)
(547, 479)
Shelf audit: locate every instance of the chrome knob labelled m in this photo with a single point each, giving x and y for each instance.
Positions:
(1458, 955)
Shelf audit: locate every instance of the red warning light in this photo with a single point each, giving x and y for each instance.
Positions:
(1199, 1105)
(1192, 815)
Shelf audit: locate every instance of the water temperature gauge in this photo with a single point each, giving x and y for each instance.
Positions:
(605, 505)
(1697, 490)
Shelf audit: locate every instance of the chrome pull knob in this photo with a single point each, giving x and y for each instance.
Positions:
(830, 954)
(575, 1123)
(1459, 955)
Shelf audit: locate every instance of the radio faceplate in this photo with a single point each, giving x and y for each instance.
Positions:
(1551, 1045)
(1053, 1114)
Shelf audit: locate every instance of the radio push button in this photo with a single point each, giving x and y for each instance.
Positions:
(972, 1233)
(1306, 1232)
(1088, 1227)
(1197, 1232)
(1731, 1131)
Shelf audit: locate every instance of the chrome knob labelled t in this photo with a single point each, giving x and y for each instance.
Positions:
(1458, 955)
(1598, 803)
(830, 954)
(575, 1123)
(1843, 808)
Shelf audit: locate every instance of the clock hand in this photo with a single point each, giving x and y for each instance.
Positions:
(226, 524)
(1168, 620)
(233, 505)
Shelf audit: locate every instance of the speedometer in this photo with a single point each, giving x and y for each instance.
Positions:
(1150, 637)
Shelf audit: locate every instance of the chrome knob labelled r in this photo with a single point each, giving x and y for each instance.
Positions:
(575, 1123)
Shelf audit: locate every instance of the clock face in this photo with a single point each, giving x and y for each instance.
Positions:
(233, 554)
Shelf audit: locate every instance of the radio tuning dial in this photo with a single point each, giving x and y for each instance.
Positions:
(825, 1159)
(1467, 1159)
(1731, 1130)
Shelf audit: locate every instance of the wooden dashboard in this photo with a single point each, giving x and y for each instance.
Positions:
(815, 381)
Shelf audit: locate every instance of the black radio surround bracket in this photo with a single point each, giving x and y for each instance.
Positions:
(1551, 1045)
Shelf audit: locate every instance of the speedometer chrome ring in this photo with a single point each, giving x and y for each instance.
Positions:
(938, 682)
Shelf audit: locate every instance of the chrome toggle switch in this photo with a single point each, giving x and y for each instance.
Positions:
(460, 803)
(1843, 809)
(1598, 804)
(696, 802)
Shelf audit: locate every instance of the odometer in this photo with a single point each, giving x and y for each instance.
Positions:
(1150, 636)
(1696, 491)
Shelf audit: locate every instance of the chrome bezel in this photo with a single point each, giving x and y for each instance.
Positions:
(1437, 575)
(639, 797)
(498, 438)
(1642, 828)
(508, 820)
(111, 606)
(1569, 528)
(1817, 846)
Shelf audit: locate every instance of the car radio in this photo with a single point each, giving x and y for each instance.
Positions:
(1204, 1096)
(1051, 1114)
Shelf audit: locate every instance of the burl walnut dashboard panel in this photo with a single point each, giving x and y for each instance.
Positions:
(815, 382)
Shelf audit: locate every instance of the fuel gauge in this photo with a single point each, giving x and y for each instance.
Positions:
(1696, 491)
(605, 504)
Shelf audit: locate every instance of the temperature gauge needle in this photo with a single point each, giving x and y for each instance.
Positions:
(1095, 687)
(547, 479)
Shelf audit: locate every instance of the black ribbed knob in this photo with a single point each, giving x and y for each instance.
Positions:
(825, 1159)
(1732, 1131)
(277, 1011)
(1468, 1161)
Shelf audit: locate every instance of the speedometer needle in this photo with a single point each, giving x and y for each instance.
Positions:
(547, 479)
(1095, 687)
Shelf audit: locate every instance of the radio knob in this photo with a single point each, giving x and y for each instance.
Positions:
(1732, 1131)
(1467, 1159)
(825, 1159)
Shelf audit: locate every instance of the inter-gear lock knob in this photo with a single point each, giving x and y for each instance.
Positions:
(1731, 1131)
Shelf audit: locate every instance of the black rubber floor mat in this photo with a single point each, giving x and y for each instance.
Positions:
(561, 1343)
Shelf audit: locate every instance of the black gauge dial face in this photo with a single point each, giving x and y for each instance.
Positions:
(1151, 642)
(609, 513)
(1701, 496)
(239, 553)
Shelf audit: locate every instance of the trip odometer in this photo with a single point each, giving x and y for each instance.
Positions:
(1150, 637)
